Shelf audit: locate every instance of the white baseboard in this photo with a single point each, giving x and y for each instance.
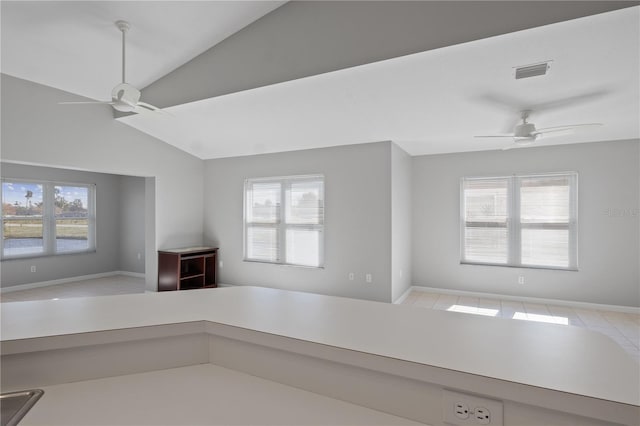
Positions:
(130, 274)
(40, 284)
(403, 296)
(569, 303)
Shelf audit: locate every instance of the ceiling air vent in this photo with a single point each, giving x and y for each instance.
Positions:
(527, 71)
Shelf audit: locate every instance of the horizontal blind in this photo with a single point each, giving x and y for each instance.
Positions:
(528, 220)
(284, 220)
(546, 216)
(485, 214)
(262, 215)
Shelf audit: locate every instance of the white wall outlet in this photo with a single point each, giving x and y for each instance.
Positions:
(352, 276)
(520, 279)
(139, 256)
(462, 410)
(368, 278)
(221, 264)
(482, 415)
(33, 268)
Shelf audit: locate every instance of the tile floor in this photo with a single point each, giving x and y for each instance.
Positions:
(623, 328)
(116, 284)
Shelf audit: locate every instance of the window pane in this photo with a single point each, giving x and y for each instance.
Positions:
(263, 202)
(545, 247)
(545, 199)
(304, 204)
(487, 245)
(485, 200)
(303, 247)
(486, 210)
(262, 244)
(22, 220)
(72, 218)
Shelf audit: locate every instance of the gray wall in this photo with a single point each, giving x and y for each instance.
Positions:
(608, 244)
(36, 130)
(132, 225)
(104, 259)
(357, 219)
(401, 165)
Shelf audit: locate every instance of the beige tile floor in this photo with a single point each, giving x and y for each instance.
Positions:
(622, 328)
(107, 286)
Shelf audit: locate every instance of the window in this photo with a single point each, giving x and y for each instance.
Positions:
(523, 221)
(284, 220)
(46, 218)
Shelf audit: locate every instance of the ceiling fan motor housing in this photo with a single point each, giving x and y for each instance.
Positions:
(125, 97)
(524, 130)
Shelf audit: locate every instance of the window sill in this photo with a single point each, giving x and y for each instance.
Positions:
(283, 264)
(553, 268)
(41, 255)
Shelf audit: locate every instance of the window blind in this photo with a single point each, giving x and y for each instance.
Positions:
(521, 220)
(284, 220)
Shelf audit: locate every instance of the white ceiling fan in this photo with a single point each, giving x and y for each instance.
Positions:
(124, 97)
(525, 133)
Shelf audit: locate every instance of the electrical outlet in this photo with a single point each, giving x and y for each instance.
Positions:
(33, 268)
(221, 264)
(520, 279)
(139, 256)
(368, 278)
(482, 415)
(462, 410)
(352, 276)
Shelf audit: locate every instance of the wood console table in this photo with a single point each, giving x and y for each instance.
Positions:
(187, 268)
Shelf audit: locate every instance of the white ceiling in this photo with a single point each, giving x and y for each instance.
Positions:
(430, 102)
(75, 46)
(435, 101)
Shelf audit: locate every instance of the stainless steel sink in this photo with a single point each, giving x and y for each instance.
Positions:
(14, 405)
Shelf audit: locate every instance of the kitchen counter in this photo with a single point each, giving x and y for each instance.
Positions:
(563, 359)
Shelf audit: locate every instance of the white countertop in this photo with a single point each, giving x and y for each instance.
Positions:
(562, 358)
(197, 395)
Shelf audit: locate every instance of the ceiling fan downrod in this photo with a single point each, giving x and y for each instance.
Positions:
(123, 26)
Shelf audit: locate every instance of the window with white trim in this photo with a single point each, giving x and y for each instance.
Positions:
(284, 220)
(41, 218)
(520, 220)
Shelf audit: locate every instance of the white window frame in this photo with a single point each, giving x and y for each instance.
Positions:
(514, 225)
(49, 219)
(280, 224)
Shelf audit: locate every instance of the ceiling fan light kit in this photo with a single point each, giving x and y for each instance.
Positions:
(124, 97)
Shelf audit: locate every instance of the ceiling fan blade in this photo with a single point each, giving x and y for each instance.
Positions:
(148, 106)
(553, 133)
(142, 110)
(87, 102)
(154, 108)
(567, 127)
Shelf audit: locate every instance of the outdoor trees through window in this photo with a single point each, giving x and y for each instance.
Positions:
(45, 218)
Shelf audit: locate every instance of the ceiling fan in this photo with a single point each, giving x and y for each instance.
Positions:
(525, 133)
(124, 97)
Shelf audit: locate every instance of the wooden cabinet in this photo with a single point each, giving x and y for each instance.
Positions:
(187, 268)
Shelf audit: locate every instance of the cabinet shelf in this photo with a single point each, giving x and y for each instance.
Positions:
(187, 268)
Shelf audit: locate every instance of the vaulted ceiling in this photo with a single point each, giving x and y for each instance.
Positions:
(240, 78)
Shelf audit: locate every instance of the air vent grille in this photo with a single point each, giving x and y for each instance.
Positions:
(532, 70)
